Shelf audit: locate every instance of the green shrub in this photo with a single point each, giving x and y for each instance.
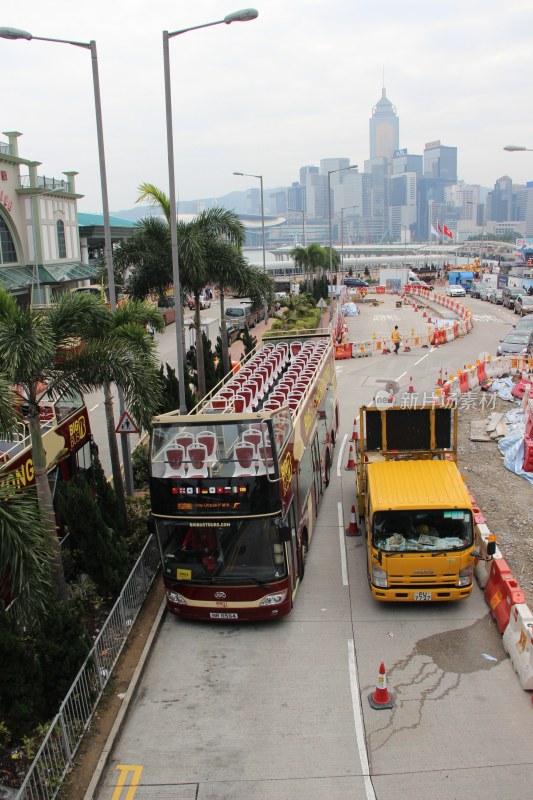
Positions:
(21, 695)
(102, 553)
(62, 646)
(141, 466)
(138, 514)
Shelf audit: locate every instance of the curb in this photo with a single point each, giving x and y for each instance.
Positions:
(104, 759)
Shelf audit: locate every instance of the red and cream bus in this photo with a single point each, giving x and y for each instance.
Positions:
(236, 484)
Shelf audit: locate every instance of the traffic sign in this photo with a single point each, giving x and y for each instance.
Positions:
(126, 424)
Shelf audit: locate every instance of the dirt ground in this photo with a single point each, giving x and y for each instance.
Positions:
(505, 499)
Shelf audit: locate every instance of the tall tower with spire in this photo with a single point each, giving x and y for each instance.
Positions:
(384, 129)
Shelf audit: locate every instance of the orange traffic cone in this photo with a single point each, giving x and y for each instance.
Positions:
(381, 697)
(351, 461)
(411, 387)
(439, 379)
(415, 307)
(352, 529)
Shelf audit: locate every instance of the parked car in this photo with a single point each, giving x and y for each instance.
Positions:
(484, 292)
(422, 285)
(454, 290)
(475, 288)
(355, 283)
(496, 296)
(516, 342)
(242, 316)
(232, 331)
(524, 323)
(523, 304)
(510, 293)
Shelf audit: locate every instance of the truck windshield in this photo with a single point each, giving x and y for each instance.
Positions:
(419, 531)
(240, 551)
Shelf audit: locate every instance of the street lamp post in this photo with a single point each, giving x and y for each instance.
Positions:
(405, 229)
(342, 235)
(260, 178)
(330, 173)
(16, 33)
(238, 16)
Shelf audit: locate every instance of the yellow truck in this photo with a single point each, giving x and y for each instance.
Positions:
(413, 505)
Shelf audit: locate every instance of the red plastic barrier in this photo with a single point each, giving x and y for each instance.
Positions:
(380, 290)
(502, 592)
(519, 389)
(347, 351)
(528, 454)
(463, 381)
(339, 352)
(481, 373)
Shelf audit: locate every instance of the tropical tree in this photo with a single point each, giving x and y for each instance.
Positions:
(203, 243)
(57, 353)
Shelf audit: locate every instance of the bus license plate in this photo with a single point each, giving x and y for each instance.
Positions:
(422, 595)
(221, 615)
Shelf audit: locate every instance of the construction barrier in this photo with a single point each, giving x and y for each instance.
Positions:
(502, 592)
(482, 566)
(518, 643)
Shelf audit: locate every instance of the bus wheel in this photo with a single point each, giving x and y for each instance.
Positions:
(332, 440)
(327, 469)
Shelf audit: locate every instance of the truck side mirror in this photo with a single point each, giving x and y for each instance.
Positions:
(491, 548)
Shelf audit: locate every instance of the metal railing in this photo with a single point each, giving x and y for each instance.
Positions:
(43, 183)
(56, 754)
(5, 149)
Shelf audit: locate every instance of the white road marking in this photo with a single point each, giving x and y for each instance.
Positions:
(401, 376)
(358, 722)
(338, 369)
(344, 568)
(421, 359)
(94, 408)
(341, 451)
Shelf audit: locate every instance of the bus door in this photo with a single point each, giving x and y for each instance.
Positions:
(292, 545)
(317, 469)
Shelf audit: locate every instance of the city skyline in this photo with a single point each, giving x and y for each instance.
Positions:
(293, 87)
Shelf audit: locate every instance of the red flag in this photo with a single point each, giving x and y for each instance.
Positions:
(439, 227)
(448, 232)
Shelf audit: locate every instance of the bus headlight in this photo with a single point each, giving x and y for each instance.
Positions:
(176, 598)
(274, 599)
(379, 577)
(465, 576)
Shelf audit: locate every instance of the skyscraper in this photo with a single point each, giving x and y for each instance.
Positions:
(384, 129)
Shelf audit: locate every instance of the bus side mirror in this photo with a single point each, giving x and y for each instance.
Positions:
(284, 533)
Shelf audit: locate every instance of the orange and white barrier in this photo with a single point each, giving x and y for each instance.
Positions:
(518, 643)
(483, 565)
(502, 592)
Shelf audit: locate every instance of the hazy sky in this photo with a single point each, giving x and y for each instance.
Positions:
(293, 86)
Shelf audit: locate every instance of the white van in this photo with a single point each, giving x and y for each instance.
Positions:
(241, 315)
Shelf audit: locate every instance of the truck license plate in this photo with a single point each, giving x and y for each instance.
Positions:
(221, 615)
(422, 595)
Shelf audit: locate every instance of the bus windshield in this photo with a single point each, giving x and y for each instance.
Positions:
(206, 449)
(241, 551)
(419, 531)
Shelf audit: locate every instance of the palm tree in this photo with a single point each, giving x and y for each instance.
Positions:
(58, 353)
(300, 257)
(24, 547)
(126, 326)
(196, 241)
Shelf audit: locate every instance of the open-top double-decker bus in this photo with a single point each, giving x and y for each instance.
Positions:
(235, 485)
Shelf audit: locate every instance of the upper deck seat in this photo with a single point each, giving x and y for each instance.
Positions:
(244, 458)
(175, 458)
(209, 439)
(197, 455)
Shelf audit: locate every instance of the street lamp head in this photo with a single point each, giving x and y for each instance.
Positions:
(14, 33)
(238, 173)
(244, 15)
(514, 148)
